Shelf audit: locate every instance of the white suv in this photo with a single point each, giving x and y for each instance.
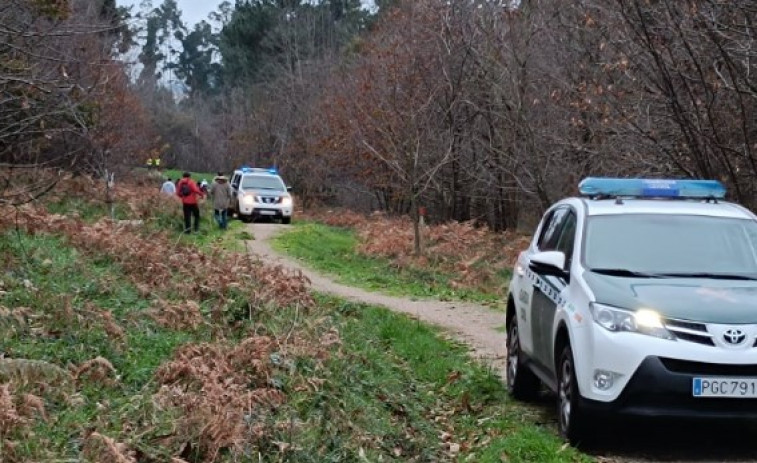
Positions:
(638, 298)
(260, 193)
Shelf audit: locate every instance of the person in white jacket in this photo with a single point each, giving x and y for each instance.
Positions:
(168, 187)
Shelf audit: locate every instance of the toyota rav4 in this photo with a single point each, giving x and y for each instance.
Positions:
(638, 297)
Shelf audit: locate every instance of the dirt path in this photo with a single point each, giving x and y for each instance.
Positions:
(472, 324)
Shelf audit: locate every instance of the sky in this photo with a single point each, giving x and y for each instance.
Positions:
(192, 11)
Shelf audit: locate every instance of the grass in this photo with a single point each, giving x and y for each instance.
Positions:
(416, 395)
(89, 211)
(175, 174)
(62, 290)
(333, 250)
(389, 390)
(384, 388)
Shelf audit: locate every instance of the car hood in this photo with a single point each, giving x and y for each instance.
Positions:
(273, 193)
(695, 299)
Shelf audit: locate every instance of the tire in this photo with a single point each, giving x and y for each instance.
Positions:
(522, 383)
(245, 218)
(571, 417)
(286, 220)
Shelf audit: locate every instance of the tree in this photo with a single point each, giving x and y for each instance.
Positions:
(196, 64)
(389, 108)
(46, 79)
(241, 40)
(162, 26)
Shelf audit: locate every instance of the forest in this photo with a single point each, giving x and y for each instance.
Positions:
(472, 110)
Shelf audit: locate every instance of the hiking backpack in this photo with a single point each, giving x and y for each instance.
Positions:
(185, 190)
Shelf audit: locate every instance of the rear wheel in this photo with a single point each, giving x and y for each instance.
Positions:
(572, 420)
(522, 383)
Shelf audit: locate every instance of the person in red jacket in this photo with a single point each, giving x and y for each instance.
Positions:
(189, 193)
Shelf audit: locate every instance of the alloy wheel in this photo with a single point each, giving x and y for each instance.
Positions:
(513, 353)
(565, 393)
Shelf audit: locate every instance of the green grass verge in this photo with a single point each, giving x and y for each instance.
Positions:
(175, 174)
(62, 291)
(333, 250)
(398, 386)
(391, 389)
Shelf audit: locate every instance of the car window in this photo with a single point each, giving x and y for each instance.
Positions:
(657, 243)
(550, 233)
(263, 182)
(235, 181)
(567, 237)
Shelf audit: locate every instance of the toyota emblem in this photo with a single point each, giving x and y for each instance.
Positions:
(734, 336)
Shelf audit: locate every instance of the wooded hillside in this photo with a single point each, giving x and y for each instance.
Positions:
(475, 110)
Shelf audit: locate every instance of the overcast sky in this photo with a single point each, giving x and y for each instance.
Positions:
(192, 11)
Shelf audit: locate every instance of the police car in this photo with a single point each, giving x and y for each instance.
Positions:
(260, 192)
(639, 298)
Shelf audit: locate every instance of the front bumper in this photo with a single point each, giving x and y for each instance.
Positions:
(265, 211)
(663, 387)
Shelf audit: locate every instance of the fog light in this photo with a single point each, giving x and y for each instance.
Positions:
(603, 380)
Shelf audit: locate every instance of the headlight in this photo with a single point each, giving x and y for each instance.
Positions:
(249, 200)
(644, 321)
(286, 201)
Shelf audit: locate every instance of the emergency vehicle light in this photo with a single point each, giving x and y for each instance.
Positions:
(651, 188)
(270, 170)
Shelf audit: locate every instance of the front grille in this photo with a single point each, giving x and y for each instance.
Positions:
(702, 368)
(269, 199)
(689, 331)
(672, 323)
(684, 336)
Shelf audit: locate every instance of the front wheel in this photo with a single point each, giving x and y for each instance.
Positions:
(522, 383)
(571, 416)
(286, 220)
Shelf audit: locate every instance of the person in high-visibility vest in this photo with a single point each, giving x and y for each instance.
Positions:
(156, 162)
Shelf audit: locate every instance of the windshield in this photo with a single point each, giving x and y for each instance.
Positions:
(671, 244)
(262, 182)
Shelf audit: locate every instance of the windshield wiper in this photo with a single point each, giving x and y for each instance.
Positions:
(624, 272)
(714, 276)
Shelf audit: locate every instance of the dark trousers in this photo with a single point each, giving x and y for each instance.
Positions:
(221, 218)
(189, 211)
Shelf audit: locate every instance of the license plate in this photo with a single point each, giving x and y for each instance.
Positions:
(725, 387)
(267, 212)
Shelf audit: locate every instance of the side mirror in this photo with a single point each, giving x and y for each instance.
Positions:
(289, 188)
(549, 263)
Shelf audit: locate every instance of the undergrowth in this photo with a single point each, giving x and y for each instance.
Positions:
(382, 260)
(126, 341)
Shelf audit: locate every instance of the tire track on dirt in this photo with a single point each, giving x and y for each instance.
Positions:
(471, 324)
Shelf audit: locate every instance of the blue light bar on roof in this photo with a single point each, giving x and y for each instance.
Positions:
(651, 188)
(271, 170)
